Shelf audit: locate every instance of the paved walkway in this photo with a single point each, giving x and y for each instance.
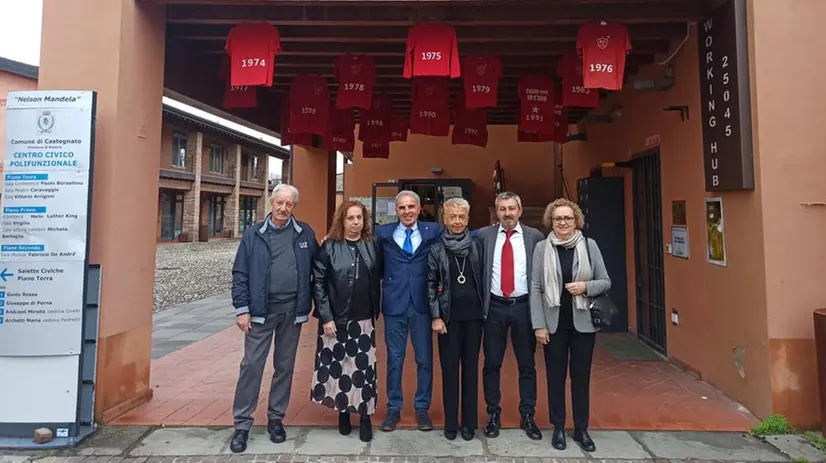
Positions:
(197, 350)
(327, 445)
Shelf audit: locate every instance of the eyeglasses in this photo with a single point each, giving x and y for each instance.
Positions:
(567, 219)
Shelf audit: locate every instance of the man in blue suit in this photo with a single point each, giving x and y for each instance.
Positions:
(405, 245)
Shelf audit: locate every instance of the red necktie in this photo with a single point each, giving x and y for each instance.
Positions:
(506, 268)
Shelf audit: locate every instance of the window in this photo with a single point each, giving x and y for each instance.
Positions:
(249, 166)
(254, 174)
(179, 150)
(217, 159)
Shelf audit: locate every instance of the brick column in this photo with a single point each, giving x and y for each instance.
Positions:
(192, 198)
(264, 202)
(231, 210)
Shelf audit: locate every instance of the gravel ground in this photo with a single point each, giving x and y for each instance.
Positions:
(190, 271)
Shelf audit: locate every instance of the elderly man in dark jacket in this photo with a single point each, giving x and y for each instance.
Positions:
(272, 294)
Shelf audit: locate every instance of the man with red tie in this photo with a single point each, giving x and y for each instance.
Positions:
(507, 250)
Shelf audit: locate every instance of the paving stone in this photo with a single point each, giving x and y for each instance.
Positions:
(616, 444)
(182, 442)
(707, 446)
(514, 443)
(795, 446)
(330, 442)
(423, 444)
(192, 336)
(112, 440)
(166, 333)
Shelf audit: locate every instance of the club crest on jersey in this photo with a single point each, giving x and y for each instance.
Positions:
(579, 69)
(602, 42)
(318, 89)
(481, 69)
(376, 103)
(355, 69)
(429, 90)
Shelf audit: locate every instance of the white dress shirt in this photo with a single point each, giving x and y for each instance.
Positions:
(520, 263)
(399, 235)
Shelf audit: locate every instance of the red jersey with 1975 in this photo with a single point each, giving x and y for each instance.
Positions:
(603, 47)
(252, 49)
(432, 50)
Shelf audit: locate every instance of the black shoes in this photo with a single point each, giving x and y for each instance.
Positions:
(239, 441)
(558, 439)
(344, 425)
(365, 428)
(390, 421)
(530, 427)
(451, 434)
(584, 440)
(423, 421)
(467, 433)
(276, 431)
(492, 427)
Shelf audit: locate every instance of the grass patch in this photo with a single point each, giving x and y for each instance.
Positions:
(814, 438)
(773, 425)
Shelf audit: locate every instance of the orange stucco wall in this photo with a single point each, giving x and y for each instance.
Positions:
(10, 83)
(529, 167)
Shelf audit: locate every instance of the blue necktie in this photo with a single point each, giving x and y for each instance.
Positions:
(408, 242)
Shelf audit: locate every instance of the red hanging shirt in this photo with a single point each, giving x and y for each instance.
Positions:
(432, 50)
(252, 48)
(399, 126)
(536, 103)
(603, 49)
(379, 150)
(560, 134)
(356, 76)
(374, 123)
(287, 136)
(242, 96)
(430, 114)
(340, 134)
(481, 74)
(523, 136)
(574, 94)
(471, 126)
(309, 104)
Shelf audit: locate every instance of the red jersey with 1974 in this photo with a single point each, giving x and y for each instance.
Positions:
(252, 48)
(603, 47)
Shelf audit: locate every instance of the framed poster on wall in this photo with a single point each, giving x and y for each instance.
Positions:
(715, 232)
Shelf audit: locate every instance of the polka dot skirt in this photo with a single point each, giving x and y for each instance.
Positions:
(345, 369)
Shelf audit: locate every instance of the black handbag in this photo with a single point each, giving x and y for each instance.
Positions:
(602, 308)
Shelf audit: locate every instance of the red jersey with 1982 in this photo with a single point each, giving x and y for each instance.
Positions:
(536, 103)
(481, 74)
(252, 48)
(432, 50)
(356, 75)
(309, 104)
(603, 47)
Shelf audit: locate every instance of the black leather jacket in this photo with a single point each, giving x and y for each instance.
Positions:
(334, 274)
(438, 274)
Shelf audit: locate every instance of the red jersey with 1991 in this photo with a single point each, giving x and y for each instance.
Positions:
(536, 104)
(309, 105)
(603, 47)
(252, 49)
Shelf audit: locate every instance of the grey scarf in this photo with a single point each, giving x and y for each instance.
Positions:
(582, 270)
(458, 245)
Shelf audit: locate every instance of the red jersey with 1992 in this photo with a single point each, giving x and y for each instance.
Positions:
(603, 47)
(481, 74)
(252, 49)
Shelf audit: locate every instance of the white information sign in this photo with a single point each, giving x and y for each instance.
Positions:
(679, 242)
(43, 221)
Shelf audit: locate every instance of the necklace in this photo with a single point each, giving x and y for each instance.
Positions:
(461, 278)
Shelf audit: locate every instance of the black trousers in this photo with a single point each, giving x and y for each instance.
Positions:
(459, 357)
(517, 318)
(578, 348)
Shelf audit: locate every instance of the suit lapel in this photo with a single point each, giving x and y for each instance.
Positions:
(491, 247)
(424, 233)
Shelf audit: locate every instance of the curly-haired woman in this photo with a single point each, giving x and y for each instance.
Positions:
(568, 270)
(347, 273)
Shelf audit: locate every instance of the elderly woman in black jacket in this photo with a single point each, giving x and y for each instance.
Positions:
(454, 285)
(347, 274)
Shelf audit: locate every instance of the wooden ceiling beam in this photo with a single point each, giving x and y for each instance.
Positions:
(456, 13)
(385, 34)
(302, 63)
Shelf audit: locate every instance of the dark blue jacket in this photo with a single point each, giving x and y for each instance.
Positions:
(405, 277)
(251, 271)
